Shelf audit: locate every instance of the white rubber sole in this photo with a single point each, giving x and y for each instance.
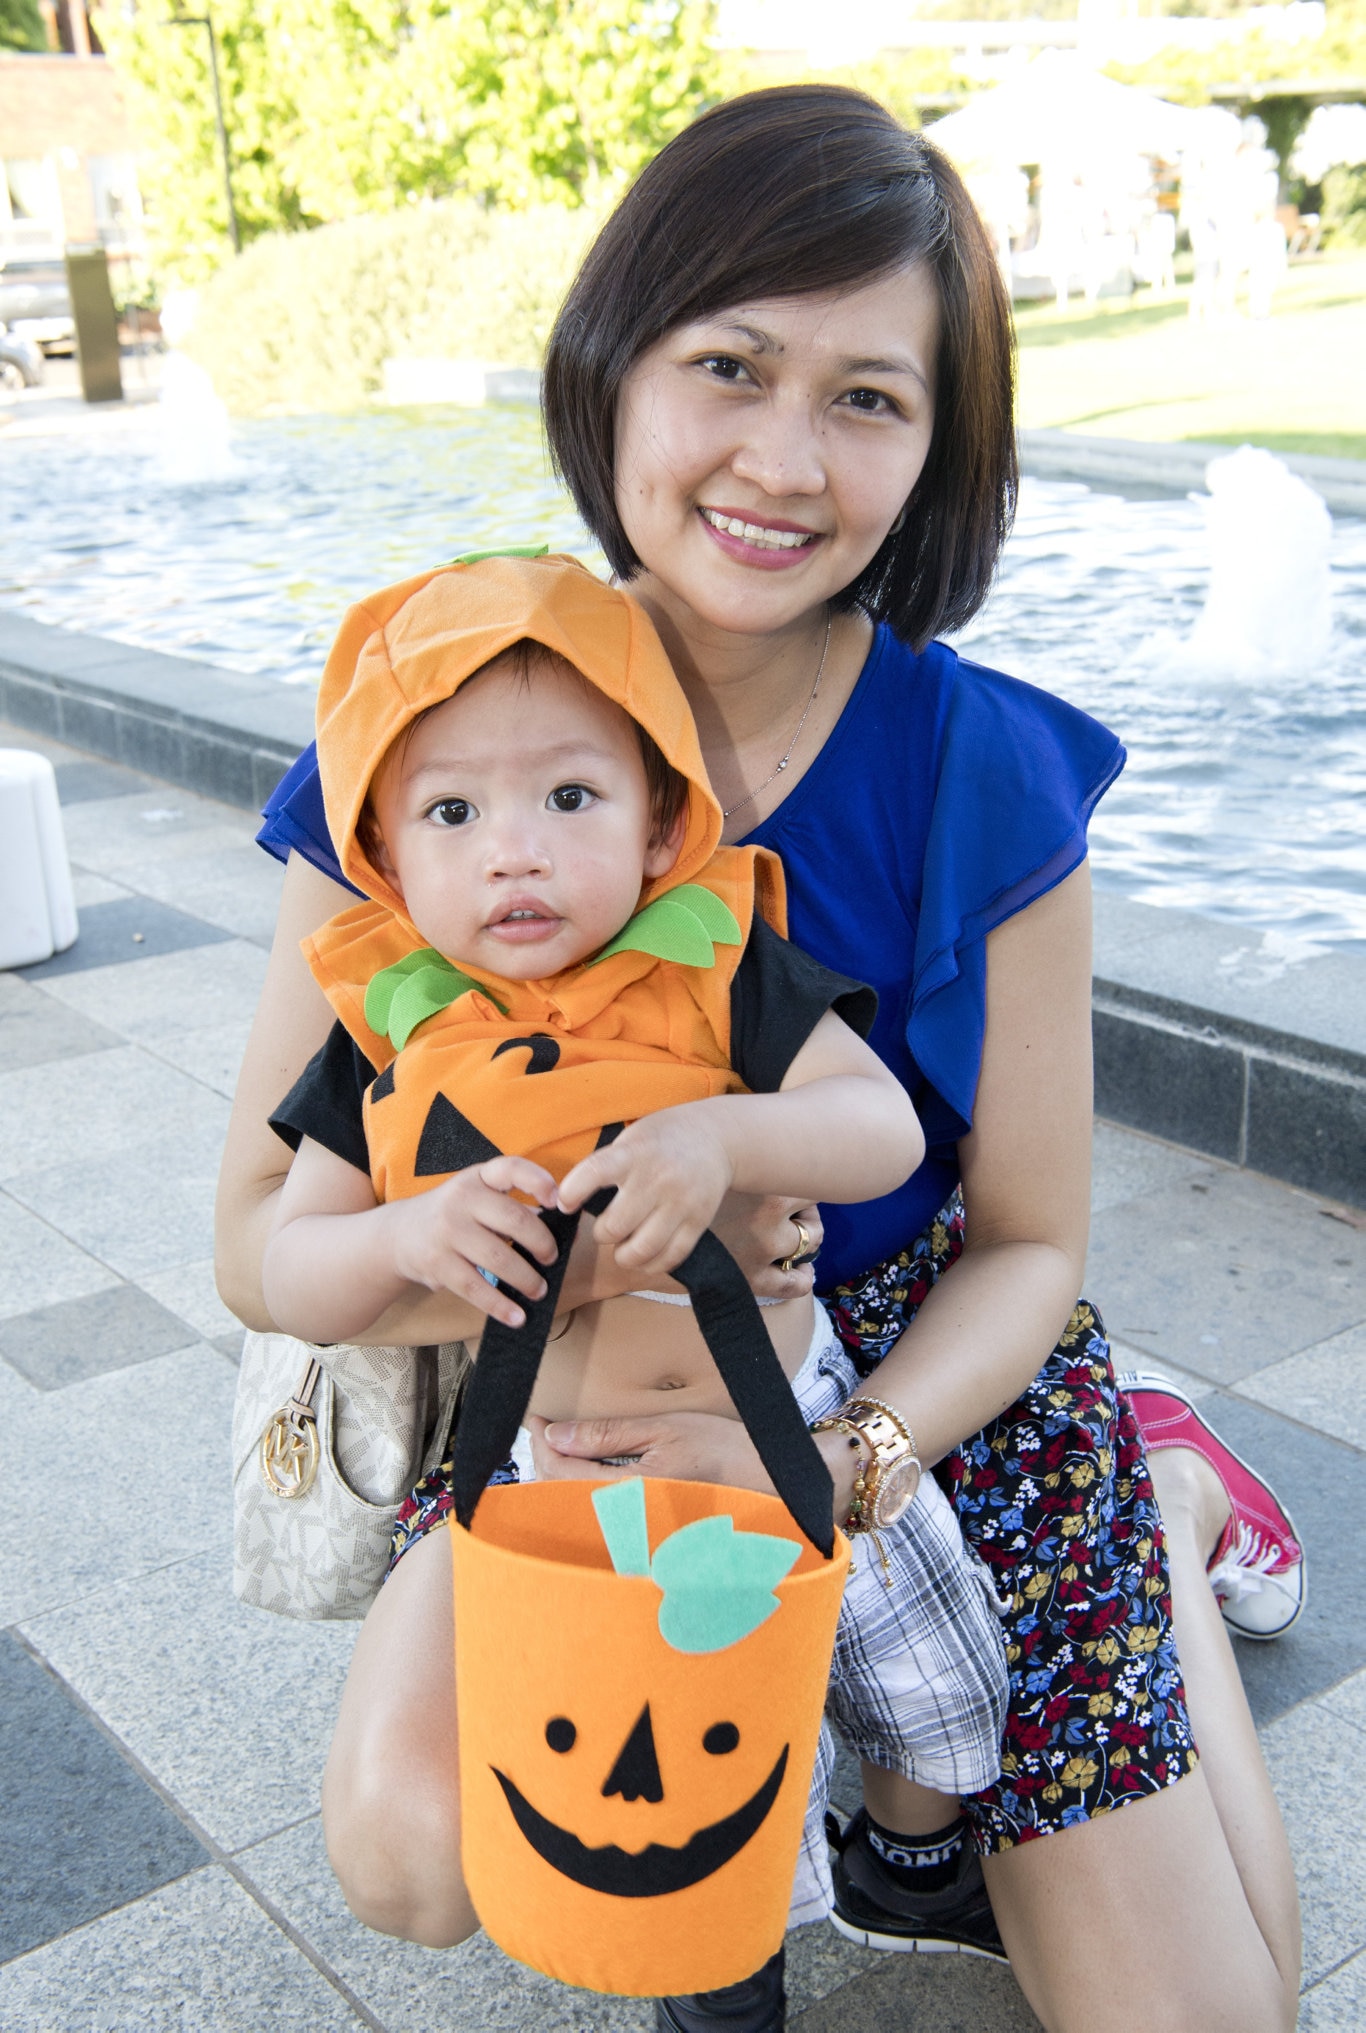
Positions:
(899, 1944)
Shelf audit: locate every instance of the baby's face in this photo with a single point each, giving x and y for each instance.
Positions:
(516, 822)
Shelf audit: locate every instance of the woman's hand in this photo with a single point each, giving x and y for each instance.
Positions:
(686, 1446)
(759, 1232)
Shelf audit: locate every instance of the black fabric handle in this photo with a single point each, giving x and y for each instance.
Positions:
(733, 1328)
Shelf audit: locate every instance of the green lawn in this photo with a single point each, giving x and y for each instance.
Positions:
(1139, 368)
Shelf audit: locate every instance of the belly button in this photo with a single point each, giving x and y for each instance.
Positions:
(671, 1384)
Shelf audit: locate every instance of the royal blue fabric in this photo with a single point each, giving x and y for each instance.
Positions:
(947, 798)
(296, 822)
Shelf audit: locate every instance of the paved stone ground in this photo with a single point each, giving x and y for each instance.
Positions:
(160, 1746)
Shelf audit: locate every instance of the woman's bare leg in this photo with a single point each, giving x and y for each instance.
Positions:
(1177, 1913)
(391, 1791)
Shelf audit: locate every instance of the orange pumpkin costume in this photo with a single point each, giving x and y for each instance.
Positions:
(641, 1026)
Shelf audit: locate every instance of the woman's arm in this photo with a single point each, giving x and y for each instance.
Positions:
(292, 1020)
(985, 1330)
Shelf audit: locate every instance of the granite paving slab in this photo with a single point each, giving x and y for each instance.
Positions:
(230, 1709)
(1322, 1483)
(1318, 1768)
(197, 1957)
(81, 1832)
(1338, 2003)
(80, 1338)
(1126, 1165)
(89, 888)
(1323, 1386)
(143, 1209)
(37, 1264)
(35, 1029)
(97, 1106)
(1348, 1699)
(189, 1291)
(125, 838)
(236, 887)
(112, 1479)
(1226, 1273)
(128, 928)
(914, 1993)
(213, 1055)
(79, 782)
(170, 992)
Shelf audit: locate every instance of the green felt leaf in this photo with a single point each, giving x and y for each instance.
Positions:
(685, 926)
(718, 920)
(504, 551)
(422, 984)
(621, 1515)
(718, 1583)
(380, 994)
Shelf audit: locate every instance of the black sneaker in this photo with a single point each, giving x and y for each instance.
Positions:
(872, 1909)
(758, 2005)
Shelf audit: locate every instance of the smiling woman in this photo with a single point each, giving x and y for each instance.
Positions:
(780, 392)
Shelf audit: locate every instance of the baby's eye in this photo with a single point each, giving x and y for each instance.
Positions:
(570, 798)
(452, 812)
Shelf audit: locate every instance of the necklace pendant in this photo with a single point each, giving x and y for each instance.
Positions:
(781, 767)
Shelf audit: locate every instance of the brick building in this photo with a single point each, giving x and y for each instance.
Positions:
(70, 172)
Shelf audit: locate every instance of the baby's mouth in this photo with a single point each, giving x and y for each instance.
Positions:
(524, 924)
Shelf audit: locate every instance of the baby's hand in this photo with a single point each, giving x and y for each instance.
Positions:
(445, 1238)
(671, 1171)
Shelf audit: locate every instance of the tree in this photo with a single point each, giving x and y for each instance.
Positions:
(21, 25)
(338, 107)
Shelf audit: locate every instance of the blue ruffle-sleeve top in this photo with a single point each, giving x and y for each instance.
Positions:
(946, 798)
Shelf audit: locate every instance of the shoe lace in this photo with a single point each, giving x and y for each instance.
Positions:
(1245, 1566)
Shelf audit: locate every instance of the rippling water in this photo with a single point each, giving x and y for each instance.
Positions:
(1240, 801)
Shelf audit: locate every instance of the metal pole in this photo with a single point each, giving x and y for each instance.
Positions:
(204, 21)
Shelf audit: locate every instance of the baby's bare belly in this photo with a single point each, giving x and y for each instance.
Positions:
(627, 1358)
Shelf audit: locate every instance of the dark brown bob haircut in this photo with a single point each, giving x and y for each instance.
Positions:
(786, 193)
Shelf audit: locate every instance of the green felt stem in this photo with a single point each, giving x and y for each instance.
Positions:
(621, 1518)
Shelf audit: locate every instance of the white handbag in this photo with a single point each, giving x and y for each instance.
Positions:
(319, 1475)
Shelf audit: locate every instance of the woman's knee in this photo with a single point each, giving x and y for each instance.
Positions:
(393, 1838)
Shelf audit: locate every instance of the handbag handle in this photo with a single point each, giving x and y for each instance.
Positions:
(733, 1328)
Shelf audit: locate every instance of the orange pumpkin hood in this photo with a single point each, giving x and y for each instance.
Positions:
(413, 645)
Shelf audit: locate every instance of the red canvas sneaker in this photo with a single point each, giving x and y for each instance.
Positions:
(1257, 1570)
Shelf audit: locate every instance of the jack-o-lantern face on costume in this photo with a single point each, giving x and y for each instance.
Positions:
(637, 1727)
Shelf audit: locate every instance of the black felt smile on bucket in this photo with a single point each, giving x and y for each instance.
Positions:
(657, 1869)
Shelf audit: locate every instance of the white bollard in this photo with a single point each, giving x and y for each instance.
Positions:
(37, 908)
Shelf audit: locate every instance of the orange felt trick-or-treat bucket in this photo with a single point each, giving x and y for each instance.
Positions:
(641, 1670)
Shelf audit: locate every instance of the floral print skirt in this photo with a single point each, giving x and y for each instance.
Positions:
(1055, 1498)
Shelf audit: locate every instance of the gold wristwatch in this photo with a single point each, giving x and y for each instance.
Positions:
(886, 1484)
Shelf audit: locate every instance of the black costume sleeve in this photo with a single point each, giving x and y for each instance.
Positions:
(778, 996)
(325, 1101)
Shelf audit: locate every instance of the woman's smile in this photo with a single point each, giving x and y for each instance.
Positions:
(772, 546)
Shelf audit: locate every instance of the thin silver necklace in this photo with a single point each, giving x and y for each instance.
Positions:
(773, 775)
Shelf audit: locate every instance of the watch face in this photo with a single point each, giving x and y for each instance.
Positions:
(896, 1487)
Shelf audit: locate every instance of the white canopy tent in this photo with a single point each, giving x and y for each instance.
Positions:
(1062, 111)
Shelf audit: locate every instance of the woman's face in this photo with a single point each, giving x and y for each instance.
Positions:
(763, 453)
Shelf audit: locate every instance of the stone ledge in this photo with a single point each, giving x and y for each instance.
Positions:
(1128, 463)
(209, 730)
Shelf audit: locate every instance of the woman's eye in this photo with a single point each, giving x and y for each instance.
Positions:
(870, 401)
(723, 366)
(452, 812)
(570, 798)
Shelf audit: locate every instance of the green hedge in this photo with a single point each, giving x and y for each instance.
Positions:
(305, 321)
(1344, 205)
